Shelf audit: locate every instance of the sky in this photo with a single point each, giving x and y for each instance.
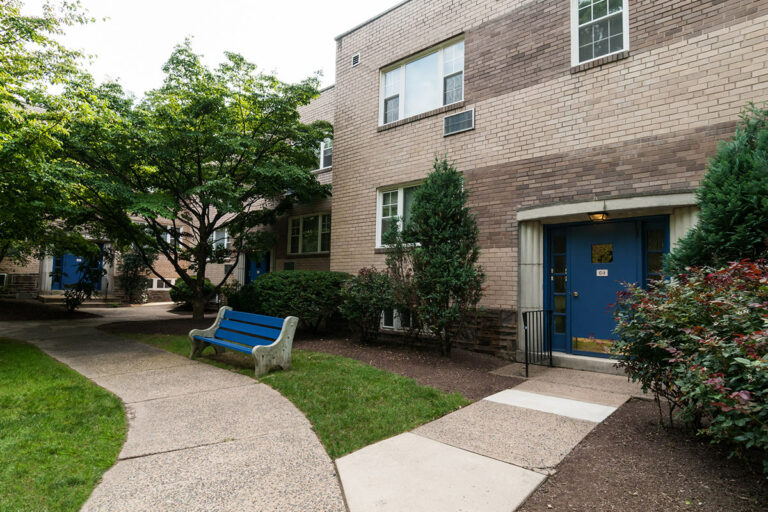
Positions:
(293, 38)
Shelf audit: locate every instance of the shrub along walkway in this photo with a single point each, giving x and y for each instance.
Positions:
(199, 437)
(489, 456)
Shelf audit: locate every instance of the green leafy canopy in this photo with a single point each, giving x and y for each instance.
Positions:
(212, 149)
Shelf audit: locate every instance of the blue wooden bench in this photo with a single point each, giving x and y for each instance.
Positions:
(266, 338)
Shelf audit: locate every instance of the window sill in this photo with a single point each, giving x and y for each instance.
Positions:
(423, 115)
(322, 170)
(308, 255)
(599, 62)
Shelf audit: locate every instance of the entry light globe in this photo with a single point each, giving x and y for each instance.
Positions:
(598, 216)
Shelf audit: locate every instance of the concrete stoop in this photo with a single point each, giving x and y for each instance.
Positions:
(487, 457)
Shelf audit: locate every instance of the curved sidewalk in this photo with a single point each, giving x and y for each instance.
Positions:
(199, 437)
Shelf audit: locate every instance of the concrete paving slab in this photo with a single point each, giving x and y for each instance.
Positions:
(167, 382)
(120, 362)
(591, 380)
(208, 417)
(583, 394)
(524, 437)
(285, 471)
(562, 406)
(412, 473)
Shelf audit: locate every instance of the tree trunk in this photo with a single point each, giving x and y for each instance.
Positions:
(198, 308)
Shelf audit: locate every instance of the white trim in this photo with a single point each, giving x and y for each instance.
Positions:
(4, 278)
(465, 129)
(575, 33)
(400, 65)
(156, 281)
(319, 216)
(396, 324)
(400, 206)
(608, 205)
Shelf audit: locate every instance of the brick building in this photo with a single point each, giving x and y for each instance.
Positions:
(582, 128)
(553, 110)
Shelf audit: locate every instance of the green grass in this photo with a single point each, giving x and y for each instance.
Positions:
(350, 404)
(59, 432)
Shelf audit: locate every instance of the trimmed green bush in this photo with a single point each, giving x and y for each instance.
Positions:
(183, 294)
(364, 298)
(311, 295)
(701, 342)
(733, 198)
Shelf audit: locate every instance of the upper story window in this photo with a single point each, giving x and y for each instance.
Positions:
(423, 83)
(598, 28)
(309, 234)
(326, 154)
(220, 239)
(394, 205)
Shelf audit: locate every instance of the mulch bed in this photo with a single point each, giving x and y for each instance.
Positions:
(630, 464)
(464, 372)
(17, 310)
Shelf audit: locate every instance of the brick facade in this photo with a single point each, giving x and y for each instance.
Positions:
(640, 123)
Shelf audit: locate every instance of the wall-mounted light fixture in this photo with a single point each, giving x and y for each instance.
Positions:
(598, 216)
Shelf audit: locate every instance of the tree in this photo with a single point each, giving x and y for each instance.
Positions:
(32, 121)
(211, 150)
(733, 199)
(445, 270)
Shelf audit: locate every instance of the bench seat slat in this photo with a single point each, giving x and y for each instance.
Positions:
(258, 330)
(243, 339)
(225, 344)
(269, 321)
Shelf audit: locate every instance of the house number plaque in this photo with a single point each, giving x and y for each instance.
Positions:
(602, 272)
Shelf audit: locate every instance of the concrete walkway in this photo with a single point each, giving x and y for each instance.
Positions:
(489, 456)
(199, 437)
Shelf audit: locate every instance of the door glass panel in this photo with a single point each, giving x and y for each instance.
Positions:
(655, 240)
(602, 253)
(560, 264)
(559, 244)
(559, 303)
(560, 324)
(655, 262)
(559, 284)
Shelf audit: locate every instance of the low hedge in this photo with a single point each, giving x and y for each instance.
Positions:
(182, 293)
(311, 295)
(701, 342)
(364, 298)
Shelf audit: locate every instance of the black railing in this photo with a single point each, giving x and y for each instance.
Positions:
(537, 326)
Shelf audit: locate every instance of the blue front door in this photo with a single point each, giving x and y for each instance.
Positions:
(587, 265)
(603, 257)
(256, 265)
(68, 270)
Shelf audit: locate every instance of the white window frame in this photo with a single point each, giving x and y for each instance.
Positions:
(3, 280)
(300, 218)
(575, 33)
(400, 207)
(441, 79)
(396, 323)
(156, 283)
(326, 144)
(227, 243)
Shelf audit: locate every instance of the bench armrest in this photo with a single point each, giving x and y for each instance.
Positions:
(277, 353)
(209, 332)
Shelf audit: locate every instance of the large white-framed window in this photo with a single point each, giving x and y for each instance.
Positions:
(326, 154)
(427, 81)
(598, 28)
(309, 234)
(220, 239)
(393, 204)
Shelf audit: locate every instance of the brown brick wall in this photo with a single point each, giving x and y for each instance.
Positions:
(643, 124)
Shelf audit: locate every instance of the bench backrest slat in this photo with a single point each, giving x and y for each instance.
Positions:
(252, 318)
(243, 339)
(255, 330)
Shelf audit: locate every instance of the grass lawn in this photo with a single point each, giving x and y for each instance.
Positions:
(349, 403)
(58, 431)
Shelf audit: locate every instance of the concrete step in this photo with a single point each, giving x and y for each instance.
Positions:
(59, 299)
